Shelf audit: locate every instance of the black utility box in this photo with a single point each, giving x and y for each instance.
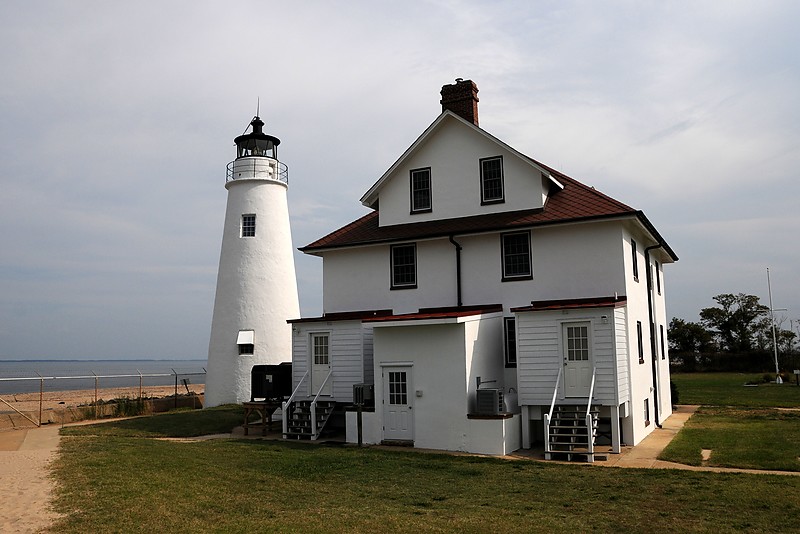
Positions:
(270, 382)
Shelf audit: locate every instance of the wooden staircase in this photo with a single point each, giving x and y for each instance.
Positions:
(569, 437)
(299, 418)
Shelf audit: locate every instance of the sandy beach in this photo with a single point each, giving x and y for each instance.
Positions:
(63, 406)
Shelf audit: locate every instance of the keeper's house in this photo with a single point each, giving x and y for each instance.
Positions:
(491, 301)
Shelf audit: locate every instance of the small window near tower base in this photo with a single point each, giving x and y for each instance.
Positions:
(246, 341)
(248, 225)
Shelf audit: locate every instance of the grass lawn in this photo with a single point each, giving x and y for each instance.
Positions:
(728, 389)
(112, 478)
(754, 438)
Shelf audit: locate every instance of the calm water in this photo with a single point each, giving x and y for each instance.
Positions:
(65, 368)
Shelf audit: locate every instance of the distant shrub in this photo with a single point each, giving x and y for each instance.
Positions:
(127, 407)
(767, 378)
(673, 389)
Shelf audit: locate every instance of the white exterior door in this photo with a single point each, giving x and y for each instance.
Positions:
(398, 417)
(577, 359)
(320, 363)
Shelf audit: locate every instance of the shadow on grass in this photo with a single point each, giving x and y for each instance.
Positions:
(178, 424)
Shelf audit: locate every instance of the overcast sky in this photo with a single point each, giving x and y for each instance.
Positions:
(117, 121)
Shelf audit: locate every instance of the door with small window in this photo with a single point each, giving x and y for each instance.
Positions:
(398, 420)
(320, 364)
(577, 359)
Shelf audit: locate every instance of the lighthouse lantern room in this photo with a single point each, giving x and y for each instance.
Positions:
(256, 285)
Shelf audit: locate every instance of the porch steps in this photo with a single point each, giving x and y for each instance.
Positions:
(299, 418)
(569, 436)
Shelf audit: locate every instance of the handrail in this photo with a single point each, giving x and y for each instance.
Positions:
(591, 391)
(555, 392)
(259, 168)
(548, 416)
(314, 406)
(589, 422)
(285, 405)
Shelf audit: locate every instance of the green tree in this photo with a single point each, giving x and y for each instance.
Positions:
(688, 337)
(737, 321)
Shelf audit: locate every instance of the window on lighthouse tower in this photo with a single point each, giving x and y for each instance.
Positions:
(248, 225)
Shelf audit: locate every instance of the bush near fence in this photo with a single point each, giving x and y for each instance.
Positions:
(745, 362)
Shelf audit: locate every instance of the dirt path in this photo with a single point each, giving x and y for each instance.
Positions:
(27, 488)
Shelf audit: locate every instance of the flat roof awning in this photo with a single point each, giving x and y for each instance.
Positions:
(246, 337)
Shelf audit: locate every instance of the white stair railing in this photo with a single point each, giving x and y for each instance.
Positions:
(589, 421)
(285, 406)
(314, 407)
(549, 416)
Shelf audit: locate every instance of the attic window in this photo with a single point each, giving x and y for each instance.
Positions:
(492, 180)
(421, 190)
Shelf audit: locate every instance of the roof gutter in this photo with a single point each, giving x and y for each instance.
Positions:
(653, 343)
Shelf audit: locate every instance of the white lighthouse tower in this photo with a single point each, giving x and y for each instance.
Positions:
(256, 284)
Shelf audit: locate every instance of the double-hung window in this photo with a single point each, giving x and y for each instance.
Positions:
(492, 180)
(510, 340)
(421, 190)
(517, 256)
(404, 266)
(249, 225)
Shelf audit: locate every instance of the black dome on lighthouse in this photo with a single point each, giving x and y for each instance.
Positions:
(257, 143)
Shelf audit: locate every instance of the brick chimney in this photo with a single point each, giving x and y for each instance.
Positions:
(462, 99)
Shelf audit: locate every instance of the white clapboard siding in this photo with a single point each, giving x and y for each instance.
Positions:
(539, 354)
(350, 352)
(622, 356)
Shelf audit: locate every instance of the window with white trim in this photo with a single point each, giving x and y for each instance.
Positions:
(404, 266)
(658, 278)
(321, 349)
(492, 180)
(635, 258)
(641, 341)
(577, 337)
(516, 256)
(421, 190)
(510, 341)
(248, 225)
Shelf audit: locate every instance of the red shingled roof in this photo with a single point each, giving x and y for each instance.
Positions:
(595, 302)
(438, 313)
(576, 202)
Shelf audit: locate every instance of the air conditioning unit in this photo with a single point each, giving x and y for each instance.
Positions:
(490, 402)
(363, 394)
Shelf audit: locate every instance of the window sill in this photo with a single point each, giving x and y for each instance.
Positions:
(490, 202)
(517, 278)
(416, 212)
(511, 365)
(396, 288)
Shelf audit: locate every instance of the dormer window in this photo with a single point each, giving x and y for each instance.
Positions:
(421, 190)
(492, 180)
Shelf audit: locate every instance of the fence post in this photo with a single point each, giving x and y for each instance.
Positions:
(95, 394)
(41, 397)
(176, 387)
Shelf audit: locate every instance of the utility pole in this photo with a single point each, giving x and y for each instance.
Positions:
(778, 379)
